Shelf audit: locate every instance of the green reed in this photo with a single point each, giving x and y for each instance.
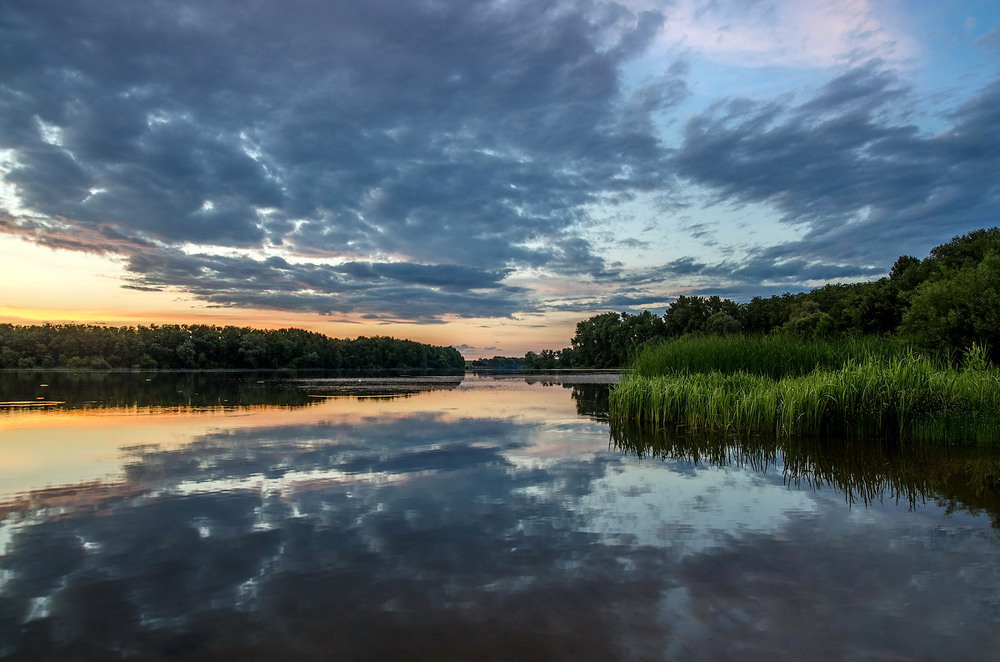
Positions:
(903, 395)
(773, 355)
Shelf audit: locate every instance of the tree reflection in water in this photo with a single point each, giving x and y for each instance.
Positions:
(204, 390)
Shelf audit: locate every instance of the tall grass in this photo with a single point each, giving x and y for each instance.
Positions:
(775, 356)
(905, 395)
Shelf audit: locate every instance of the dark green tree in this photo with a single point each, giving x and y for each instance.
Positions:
(957, 309)
(596, 344)
(690, 314)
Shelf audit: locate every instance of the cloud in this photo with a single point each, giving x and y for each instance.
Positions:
(819, 33)
(844, 166)
(377, 290)
(437, 140)
(412, 162)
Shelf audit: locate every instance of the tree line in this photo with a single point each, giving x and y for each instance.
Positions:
(945, 302)
(498, 364)
(199, 346)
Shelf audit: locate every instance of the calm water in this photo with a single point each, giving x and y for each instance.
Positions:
(220, 517)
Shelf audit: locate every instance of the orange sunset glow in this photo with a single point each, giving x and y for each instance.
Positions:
(43, 285)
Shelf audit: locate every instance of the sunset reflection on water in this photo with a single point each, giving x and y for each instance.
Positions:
(42, 448)
(488, 517)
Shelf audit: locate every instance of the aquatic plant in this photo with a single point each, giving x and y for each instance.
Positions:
(908, 396)
(776, 356)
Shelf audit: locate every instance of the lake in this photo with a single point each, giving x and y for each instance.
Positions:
(266, 517)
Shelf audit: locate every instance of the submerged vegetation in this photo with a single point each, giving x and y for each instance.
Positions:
(762, 386)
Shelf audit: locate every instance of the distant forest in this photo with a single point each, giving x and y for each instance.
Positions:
(498, 364)
(197, 346)
(943, 303)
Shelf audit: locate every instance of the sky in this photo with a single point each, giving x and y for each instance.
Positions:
(479, 173)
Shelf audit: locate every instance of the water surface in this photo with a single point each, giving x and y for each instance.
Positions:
(219, 517)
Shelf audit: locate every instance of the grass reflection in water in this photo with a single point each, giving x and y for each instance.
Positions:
(960, 476)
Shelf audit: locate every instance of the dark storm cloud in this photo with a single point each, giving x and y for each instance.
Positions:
(411, 291)
(818, 162)
(461, 138)
(414, 155)
(632, 300)
(846, 166)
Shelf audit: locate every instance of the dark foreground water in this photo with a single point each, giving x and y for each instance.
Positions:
(221, 517)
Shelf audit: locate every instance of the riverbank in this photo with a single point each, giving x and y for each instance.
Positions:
(860, 387)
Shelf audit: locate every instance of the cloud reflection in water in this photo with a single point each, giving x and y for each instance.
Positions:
(490, 522)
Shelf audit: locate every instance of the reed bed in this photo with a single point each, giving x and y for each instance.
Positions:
(904, 396)
(775, 356)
